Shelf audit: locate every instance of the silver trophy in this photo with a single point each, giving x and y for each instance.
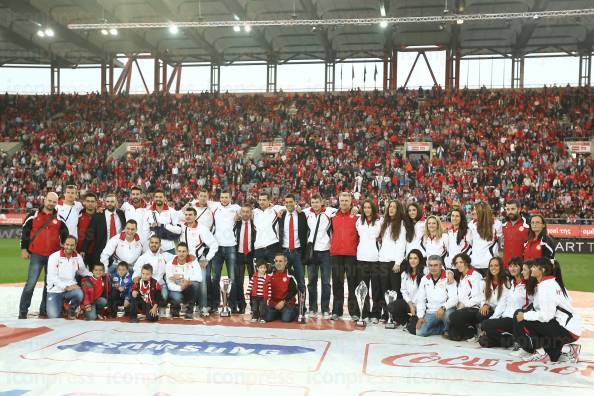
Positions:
(390, 296)
(361, 293)
(225, 289)
(301, 297)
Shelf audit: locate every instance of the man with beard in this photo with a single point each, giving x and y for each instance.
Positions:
(135, 209)
(42, 235)
(515, 232)
(104, 226)
(163, 221)
(84, 221)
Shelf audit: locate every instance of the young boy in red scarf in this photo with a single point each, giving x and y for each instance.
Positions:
(146, 294)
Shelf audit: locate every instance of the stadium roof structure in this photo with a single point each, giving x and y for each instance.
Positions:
(39, 32)
(22, 19)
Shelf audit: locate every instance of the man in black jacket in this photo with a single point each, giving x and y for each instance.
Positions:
(293, 239)
(245, 235)
(103, 226)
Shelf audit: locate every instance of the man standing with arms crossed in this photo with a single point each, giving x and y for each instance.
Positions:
(266, 221)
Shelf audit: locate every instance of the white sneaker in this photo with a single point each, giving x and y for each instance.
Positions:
(520, 353)
(326, 315)
(204, 312)
(572, 355)
(374, 321)
(537, 357)
(474, 339)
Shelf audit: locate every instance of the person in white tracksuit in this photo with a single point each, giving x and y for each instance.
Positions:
(553, 322)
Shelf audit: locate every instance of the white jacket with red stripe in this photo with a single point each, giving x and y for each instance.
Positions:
(470, 288)
(433, 295)
(550, 303)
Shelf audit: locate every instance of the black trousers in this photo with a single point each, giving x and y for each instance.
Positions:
(115, 300)
(258, 307)
(400, 311)
(388, 280)
(550, 336)
(244, 262)
(499, 332)
(463, 323)
(341, 266)
(139, 303)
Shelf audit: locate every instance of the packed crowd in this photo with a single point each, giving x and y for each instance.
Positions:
(489, 145)
(402, 267)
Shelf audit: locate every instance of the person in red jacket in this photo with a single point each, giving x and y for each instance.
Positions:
(343, 254)
(43, 233)
(259, 290)
(283, 289)
(539, 243)
(96, 291)
(515, 232)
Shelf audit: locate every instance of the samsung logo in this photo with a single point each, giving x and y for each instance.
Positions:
(186, 348)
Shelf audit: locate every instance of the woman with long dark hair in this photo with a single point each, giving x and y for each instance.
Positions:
(498, 329)
(487, 234)
(392, 238)
(368, 228)
(464, 319)
(552, 322)
(495, 289)
(459, 239)
(415, 226)
(539, 243)
(404, 309)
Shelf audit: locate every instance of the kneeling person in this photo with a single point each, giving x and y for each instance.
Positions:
(121, 285)
(282, 294)
(146, 294)
(96, 289)
(183, 275)
(62, 267)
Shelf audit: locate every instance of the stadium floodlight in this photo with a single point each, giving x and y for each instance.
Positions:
(446, 19)
(49, 32)
(382, 10)
(247, 28)
(235, 17)
(173, 29)
(113, 31)
(40, 33)
(236, 29)
(104, 32)
(383, 24)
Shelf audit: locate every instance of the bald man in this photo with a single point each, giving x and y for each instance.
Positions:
(43, 234)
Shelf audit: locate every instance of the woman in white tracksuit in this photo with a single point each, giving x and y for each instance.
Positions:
(553, 322)
(459, 237)
(499, 328)
(415, 226)
(434, 241)
(391, 254)
(368, 269)
(487, 234)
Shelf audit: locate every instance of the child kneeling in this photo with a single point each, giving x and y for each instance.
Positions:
(146, 294)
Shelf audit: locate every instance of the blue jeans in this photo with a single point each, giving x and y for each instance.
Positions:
(295, 266)
(96, 307)
(56, 300)
(434, 326)
(36, 264)
(320, 262)
(205, 286)
(188, 296)
(229, 255)
(287, 314)
(164, 293)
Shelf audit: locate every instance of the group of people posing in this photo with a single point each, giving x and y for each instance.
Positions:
(447, 280)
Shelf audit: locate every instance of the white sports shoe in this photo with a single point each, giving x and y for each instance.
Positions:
(537, 357)
(572, 355)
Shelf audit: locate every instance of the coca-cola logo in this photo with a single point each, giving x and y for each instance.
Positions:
(473, 363)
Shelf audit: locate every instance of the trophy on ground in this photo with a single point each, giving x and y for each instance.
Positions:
(301, 307)
(225, 289)
(361, 293)
(390, 296)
